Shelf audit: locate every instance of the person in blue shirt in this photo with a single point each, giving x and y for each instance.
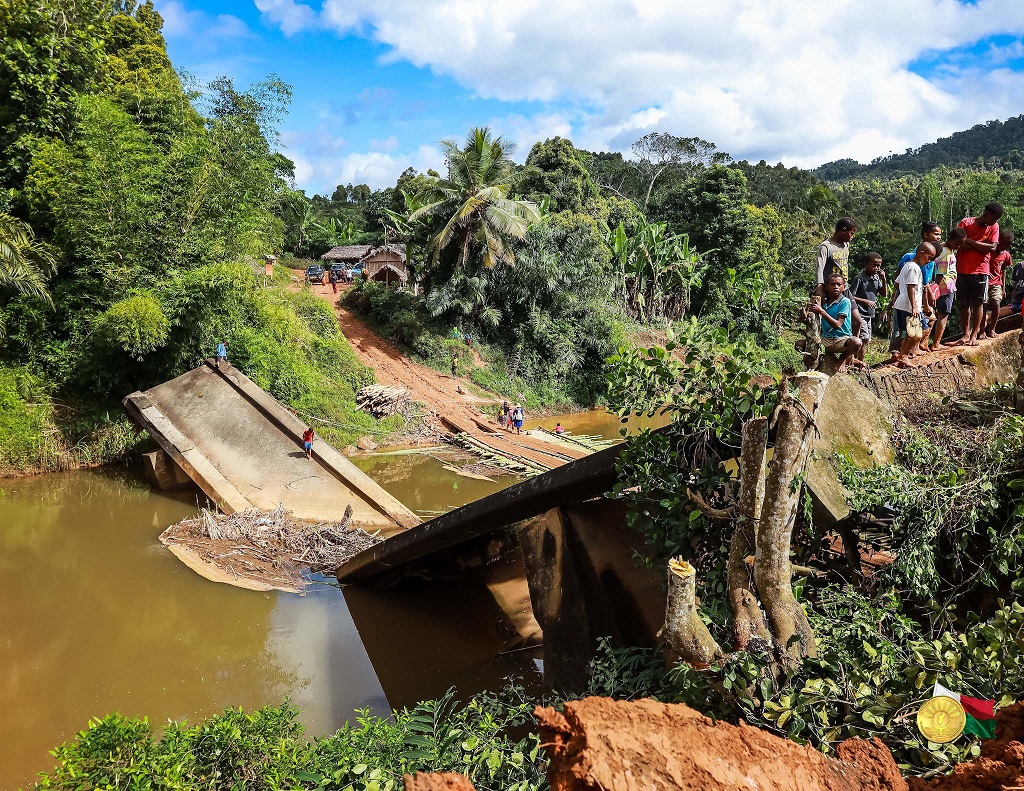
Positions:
(222, 353)
(836, 326)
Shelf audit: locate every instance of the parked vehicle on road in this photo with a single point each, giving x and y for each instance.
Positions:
(315, 274)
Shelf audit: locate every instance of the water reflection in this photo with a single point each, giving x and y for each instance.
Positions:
(99, 617)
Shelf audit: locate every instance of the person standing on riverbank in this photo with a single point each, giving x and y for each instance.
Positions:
(1001, 262)
(517, 418)
(866, 288)
(972, 264)
(908, 304)
(834, 258)
(307, 442)
(945, 279)
(222, 353)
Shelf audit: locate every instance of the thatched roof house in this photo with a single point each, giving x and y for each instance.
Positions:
(386, 264)
(349, 253)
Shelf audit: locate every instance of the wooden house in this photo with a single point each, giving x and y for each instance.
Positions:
(387, 264)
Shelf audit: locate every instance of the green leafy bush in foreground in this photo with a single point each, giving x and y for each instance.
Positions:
(265, 750)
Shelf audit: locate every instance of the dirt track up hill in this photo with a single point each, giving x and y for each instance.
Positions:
(458, 413)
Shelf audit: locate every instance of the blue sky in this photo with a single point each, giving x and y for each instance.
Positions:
(378, 82)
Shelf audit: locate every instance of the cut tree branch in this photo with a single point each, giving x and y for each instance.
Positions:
(708, 510)
(684, 631)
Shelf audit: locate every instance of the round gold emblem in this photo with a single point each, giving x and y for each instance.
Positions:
(941, 719)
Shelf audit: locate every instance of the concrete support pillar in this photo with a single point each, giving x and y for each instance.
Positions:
(163, 473)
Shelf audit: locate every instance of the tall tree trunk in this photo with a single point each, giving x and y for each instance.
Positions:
(749, 621)
(684, 631)
(772, 570)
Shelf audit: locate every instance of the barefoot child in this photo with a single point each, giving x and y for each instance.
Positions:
(307, 442)
(908, 303)
(866, 287)
(1000, 263)
(945, 279)
(836, 328)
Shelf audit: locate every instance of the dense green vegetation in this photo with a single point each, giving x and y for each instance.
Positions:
(943, 610)
(265, 749)
(135, 213)
(993, 145)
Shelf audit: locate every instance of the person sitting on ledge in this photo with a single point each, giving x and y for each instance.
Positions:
(836, 327)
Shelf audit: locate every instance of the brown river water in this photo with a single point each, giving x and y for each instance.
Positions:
(98, 617)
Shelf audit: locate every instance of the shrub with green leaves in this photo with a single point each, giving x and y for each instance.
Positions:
(708, 394)
(266, 750)
(136, 325)
(955, 484)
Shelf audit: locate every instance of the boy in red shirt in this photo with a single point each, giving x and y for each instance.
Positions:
(1001, 262)
(307, 442)
(972, 266)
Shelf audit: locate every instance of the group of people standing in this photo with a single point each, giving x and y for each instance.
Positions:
(511, 417)
(970, 267)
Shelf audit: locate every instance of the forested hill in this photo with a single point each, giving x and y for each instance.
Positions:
(996, 144)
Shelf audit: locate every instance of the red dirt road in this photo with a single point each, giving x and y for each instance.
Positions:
(437, 391)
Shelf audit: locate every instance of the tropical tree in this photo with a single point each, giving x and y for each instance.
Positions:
(25, 262)
(657, 270)
(473, 201)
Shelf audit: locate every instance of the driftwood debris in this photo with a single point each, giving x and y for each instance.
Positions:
(270, 547)
(381, 400)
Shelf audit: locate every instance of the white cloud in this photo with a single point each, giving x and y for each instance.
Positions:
(288, 15)
(798, 80)
(179, 22)
(323, 160)
(384, 144)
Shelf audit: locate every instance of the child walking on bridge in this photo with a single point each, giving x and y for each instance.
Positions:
(307, 442)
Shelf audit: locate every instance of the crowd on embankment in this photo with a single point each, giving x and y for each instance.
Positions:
(971, 267)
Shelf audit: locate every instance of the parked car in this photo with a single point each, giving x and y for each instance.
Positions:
(355, 272)
(315, 274)
(339, 269)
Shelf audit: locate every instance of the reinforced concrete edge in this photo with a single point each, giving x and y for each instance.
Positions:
(344, 470)
(185, 454)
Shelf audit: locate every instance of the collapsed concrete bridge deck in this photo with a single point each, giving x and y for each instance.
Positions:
(244, 450)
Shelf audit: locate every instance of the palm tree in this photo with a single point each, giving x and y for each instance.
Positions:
(474, 201)
(25, 262)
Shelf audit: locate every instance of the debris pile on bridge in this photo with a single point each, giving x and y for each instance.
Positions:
(382, 400)
(271, 547)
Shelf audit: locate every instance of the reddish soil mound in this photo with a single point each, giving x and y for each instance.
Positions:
(437, 781)
(1000, 766)
(599, 743)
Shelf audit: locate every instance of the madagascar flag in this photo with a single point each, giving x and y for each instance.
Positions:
(981, 717)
